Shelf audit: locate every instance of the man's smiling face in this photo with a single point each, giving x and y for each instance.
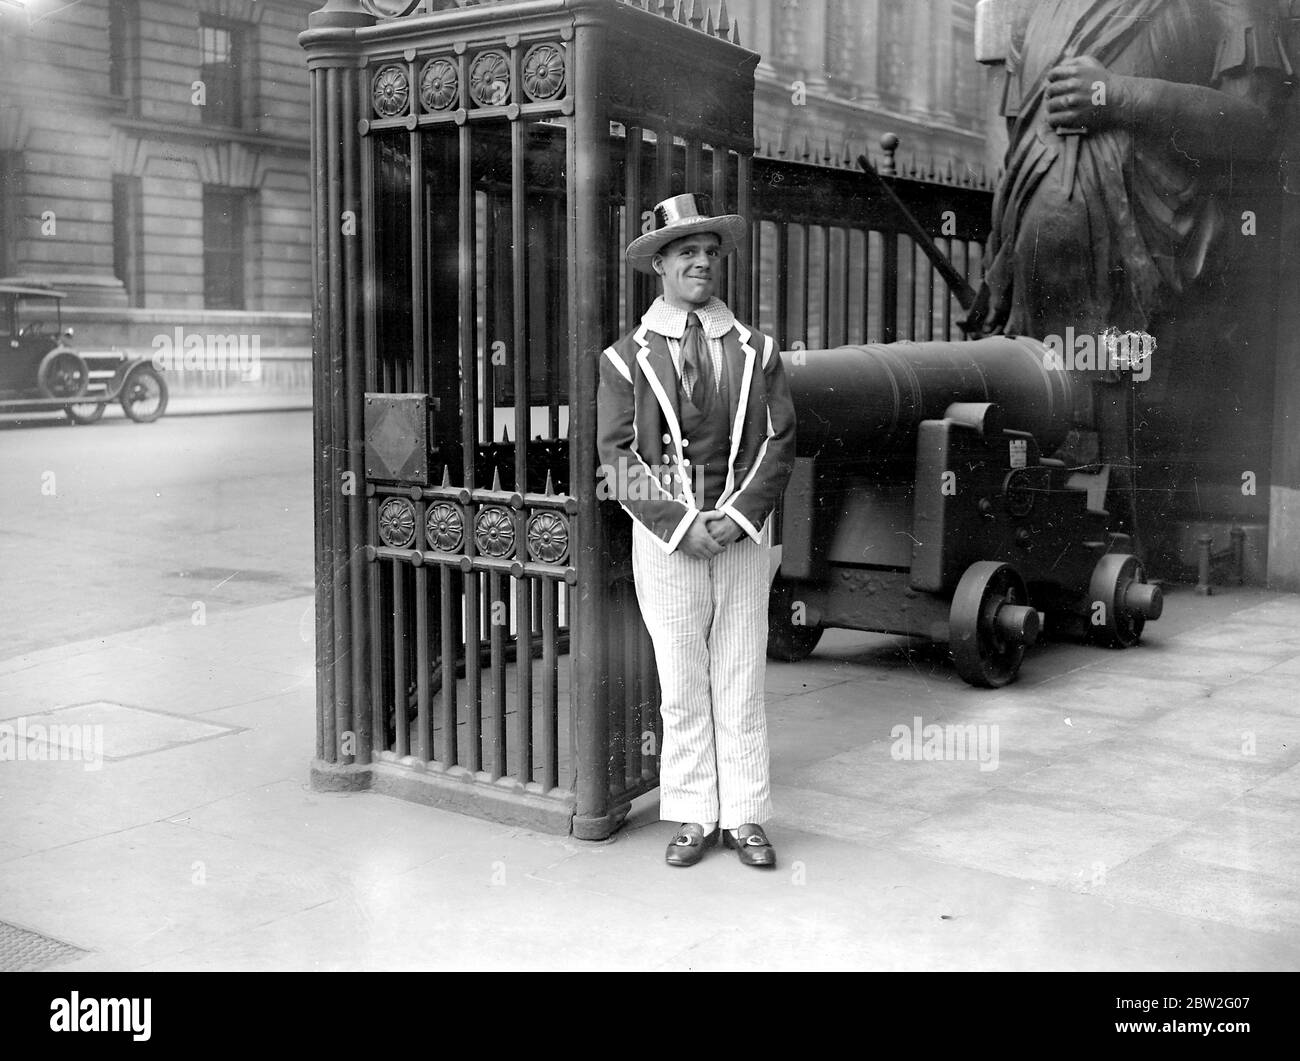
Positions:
(689, 267)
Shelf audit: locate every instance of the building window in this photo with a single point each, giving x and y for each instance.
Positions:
(787, 32)
(122, 47)
(841, 40)
(221, 57)
(225, 224)
(892, 53)
(128, 238)
(967, 84)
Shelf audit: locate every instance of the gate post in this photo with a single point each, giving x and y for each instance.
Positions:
(343, 730)
(594, 818)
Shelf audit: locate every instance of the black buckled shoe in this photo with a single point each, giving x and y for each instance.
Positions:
(688, 844)
(753, 846)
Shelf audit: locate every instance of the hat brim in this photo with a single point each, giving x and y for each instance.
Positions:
(729, 228)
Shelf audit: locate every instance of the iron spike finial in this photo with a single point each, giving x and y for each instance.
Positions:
(807, 148)
(446, 476)
(550, 486)
(697, 13)
(735, 31)
(724, 19)
(505, 433)
(496, 479)
(709, 27)
(681, 13)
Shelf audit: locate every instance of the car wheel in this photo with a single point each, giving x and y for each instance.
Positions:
(144, 397)
(62, 374)
(84, 413)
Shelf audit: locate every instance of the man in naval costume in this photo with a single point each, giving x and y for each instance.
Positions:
(696, 439)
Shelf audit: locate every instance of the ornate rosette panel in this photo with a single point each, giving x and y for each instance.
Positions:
(494, 532)
(390, 91)
(489, 79)
(397, 523)
(439, 85)
(544, 71)
(548, 537)
(444, 528)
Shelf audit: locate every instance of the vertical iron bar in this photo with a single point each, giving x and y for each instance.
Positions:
(550, 750)
(448, 753)
(473, 672)
(468, 303)
(783, 285)
(664, 151)
(423, 721)
(497, 641)
(418, 352)
(632, 211)
(726, 275)
(694, 164)
(889, 287)
(401, 743)
(519, 283)
(827, 316)
(947, 297)
(746, 260)
(524, 672)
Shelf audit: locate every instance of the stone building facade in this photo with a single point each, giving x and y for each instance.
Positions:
(154, 163)
(849, 71)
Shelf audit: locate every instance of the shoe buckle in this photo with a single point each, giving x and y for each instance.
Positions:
(683, 840)
(756, 840)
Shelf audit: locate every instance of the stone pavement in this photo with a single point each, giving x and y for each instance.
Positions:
(1144, 814)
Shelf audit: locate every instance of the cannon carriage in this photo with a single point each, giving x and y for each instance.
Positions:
(922, 504)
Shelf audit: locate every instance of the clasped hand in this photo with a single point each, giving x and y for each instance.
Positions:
(709, 533)
(1083, 94)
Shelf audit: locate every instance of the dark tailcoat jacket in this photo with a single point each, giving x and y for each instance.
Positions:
(640, 435)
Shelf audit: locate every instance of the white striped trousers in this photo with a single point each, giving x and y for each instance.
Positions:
(708, 622)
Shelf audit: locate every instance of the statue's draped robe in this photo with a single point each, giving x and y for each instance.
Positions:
(1139, 222)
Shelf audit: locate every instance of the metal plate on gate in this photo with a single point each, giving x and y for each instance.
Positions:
(397, 444)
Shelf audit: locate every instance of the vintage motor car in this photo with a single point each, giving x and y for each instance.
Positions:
(41, 372)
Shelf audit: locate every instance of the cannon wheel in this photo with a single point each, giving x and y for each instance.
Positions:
(84, 412)
(1116, 625)
(786, 640)
(144, 397)
(982, 655)
(62, 374)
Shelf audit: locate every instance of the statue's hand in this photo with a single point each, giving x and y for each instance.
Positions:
(1083, 94)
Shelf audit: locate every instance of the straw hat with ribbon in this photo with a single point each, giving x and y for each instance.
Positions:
(684, 215)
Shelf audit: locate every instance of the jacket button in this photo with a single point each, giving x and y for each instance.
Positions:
(685, 463)
(685, 442)
(667, 439)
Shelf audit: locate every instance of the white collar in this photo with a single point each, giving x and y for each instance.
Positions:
(670, 321)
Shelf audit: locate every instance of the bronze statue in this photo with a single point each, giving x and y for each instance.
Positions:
(1126, 119)
(1122, 115)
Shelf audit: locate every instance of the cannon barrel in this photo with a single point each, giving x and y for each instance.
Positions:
(866, 402)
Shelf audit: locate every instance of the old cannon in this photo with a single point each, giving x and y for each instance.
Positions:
(921, 504)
